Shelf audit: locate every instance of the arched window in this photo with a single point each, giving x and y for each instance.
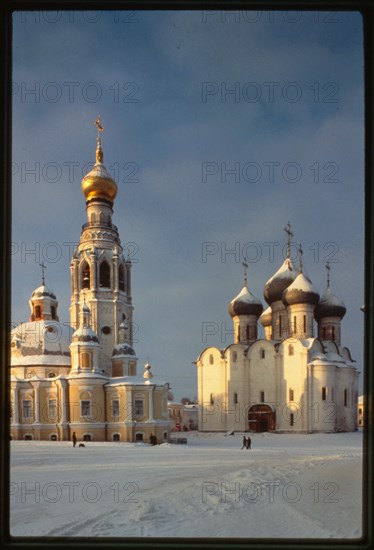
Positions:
(93, 217)
(85, 275)
(290, 349)
(294, 324)
(104, 277)
(211, 399)
(247, 332)
(234, 357)
(53, 437)
(304, 323)
(262, 353)
(139, 436)
(239, 333)
(235, 399)
(38, 312)
(280, 325)
(86, 360)
(333, 334)
(211, 359)
(116, 437)
(121, 277)
(53, 312)
(87, 437)
(51, 375)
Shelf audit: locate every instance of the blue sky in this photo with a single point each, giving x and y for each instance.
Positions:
(292, 130)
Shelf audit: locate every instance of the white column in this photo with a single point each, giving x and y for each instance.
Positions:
(150, 403)
(15, 401)
(37, 404)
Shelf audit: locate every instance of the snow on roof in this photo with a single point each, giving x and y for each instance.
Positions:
(35, 360)
(42, 290)
(39, 338)
(329, 298)
(133, 381)
(246, 296)
(285, 271)
(303, 283)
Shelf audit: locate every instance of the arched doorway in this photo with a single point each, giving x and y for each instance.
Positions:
(261, 418)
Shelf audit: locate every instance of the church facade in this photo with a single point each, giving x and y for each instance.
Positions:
(86, 382)
(297, 378)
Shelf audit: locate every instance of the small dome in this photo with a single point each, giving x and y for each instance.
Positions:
(277, 284)
(98, 183)
(266, 317)
(43, 292)
(301, 291)
(147, 373)
(329, 306)
(85, 334)
(123, 349)
(245, 303)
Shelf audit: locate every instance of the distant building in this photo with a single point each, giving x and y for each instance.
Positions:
(183, 416)
(298, 378)
(90, 386)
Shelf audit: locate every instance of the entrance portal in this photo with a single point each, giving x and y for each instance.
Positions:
(261, 418)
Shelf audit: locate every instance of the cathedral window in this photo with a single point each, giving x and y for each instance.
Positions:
(86, 360)
(211, 399)
(234, 357)
(291, 395)
(116, 437)
(85, 408)
(235, 398)
(52, 409)
(248, 335)
(93, 217)
(211, 359)
(53, 437)
(115, 407)
(121, 277)
(262, 353)
(280, 325)
(324, 393)
(139, 407)
(53, 312)
(238, 333)
(51, 375)
(345, 398)
(294, 324)
(26, 408)
(324, 333)
(332, 394)
(104, 277)
(290, 349)
(304, 324)
(38, 312)
(262, 397)
(27, 437)
(87, 437)
(86, 275)
(291, 419)
(333, 334)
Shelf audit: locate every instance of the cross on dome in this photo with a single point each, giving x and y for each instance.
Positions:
(43, 266)
(245, 266)
(301, 257)
(328, 269)
(289, 236)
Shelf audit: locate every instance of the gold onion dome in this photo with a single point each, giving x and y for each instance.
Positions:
(98, 183)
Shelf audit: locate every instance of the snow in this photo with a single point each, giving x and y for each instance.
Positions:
(246, 297)
(286, 486)
(286, 270)
(302, 283)
(328, 298)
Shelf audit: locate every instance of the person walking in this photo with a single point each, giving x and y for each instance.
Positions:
(249, 443)
(74, 438)
(244, 442)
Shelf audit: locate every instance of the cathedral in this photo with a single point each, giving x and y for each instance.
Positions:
(86, 382)
(297, 378)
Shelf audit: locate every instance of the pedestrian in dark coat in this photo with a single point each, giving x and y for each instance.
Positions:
(74, 438)
(244, 442)
(249, 441)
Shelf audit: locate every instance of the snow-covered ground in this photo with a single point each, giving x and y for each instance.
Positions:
(285, 486)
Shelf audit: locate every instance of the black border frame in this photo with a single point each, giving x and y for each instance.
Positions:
(366, 8)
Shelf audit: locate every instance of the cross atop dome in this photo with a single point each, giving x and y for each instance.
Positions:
(289, 236)
(245, 266)
(99, 151)
(43, 266)
(328, 269)
(301, 257)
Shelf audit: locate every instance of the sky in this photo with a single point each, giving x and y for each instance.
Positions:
(219, 128)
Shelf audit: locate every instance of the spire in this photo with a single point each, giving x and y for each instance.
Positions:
(43, 266)
(99, 151)
(301, 258)
(328, 269)
(289, 236)
(245, 266)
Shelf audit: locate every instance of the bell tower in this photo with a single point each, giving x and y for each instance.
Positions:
(100, 274)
